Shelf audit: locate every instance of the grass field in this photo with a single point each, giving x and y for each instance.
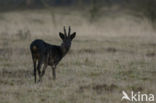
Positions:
(115, 53)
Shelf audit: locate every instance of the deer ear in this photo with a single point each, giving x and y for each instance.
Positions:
(61, 36)
(73, 35)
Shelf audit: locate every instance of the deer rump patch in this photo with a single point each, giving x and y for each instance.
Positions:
(34, 48)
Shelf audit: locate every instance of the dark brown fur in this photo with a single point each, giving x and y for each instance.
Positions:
(48, 54)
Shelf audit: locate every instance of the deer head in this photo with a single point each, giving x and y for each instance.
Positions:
(67, 38)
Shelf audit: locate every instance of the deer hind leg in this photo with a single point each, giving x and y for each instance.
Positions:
(54, 72)
(34, 62)
(45, 66)
(43, 71)
(40, 62)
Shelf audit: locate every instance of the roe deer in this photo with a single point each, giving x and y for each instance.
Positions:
(48, 54)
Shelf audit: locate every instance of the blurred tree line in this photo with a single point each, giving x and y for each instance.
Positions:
(146, 8)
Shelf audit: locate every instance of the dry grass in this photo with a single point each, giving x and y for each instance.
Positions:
(113, 54)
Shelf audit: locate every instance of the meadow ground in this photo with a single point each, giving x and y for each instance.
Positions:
(115, 53)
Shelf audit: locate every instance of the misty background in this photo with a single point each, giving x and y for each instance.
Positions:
(95, 8)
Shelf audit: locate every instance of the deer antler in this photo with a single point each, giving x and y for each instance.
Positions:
(69, 31)
(65, 33)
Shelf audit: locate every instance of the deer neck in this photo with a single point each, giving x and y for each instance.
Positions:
(64, 49)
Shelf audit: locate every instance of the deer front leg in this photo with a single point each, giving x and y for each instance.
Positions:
(53, 72)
